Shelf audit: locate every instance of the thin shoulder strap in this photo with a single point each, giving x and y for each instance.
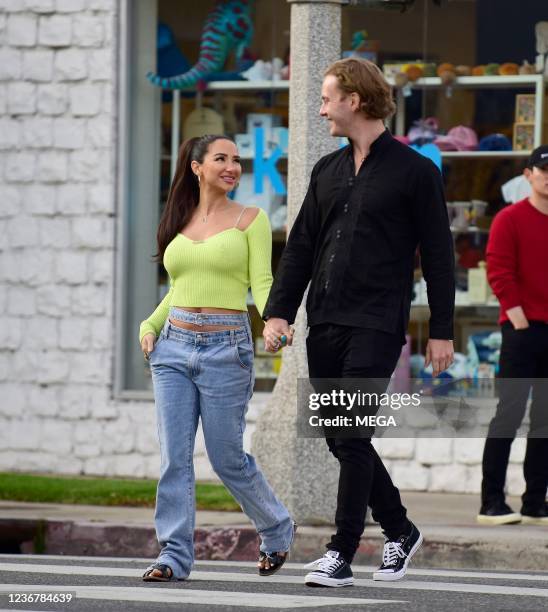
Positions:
(238, 221)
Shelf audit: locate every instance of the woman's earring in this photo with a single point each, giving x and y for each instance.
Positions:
(198, 177)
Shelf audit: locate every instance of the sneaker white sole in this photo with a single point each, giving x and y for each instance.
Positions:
(533, 520)
(390, 576)
(504, 519)
(314, 579)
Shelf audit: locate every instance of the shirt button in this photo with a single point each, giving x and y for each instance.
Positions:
(338, 234)
(332, 258)
(326, 284)
(346, 208)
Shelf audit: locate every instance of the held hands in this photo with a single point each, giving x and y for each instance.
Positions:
(147, 344)
(274, 333)
(440, 354)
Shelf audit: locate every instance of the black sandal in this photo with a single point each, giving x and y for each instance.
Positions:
(275, 560)
(167, 573)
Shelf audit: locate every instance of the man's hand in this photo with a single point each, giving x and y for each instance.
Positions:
(273, 330)
(517, 317)
(440, 354)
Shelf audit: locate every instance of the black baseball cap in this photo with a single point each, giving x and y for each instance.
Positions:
(539, 157)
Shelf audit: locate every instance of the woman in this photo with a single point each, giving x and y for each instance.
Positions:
(198, 342)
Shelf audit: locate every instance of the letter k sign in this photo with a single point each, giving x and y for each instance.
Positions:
(266, 167)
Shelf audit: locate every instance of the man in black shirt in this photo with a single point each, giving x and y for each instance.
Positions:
(368, 207)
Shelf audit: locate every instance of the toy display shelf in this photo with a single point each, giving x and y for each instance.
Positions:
(473, 306)
(484, 154)
(534, 81)
(471, 229)
(485, 82)
(248, 86)
(214, 87)
(456, 154)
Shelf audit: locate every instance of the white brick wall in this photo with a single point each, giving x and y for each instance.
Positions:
(57, 260)
(57, 159)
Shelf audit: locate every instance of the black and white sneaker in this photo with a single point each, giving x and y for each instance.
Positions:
(498, 513)
(535, 516)
(397, 554)
(330, 571)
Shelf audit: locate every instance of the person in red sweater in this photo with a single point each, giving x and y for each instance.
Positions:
(517, 270)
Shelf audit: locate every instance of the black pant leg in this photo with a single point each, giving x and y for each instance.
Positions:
(357, 468)
(384, 497)
(363, 479)
(518, 363)
(496, 454)
(535, 465)
(385, 501)
(327, 345)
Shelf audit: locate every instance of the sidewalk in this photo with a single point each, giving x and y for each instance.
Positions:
(452, 537)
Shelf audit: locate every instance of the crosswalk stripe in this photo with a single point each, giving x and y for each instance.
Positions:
(456, 587)
(366, 569)
(356, 569)
(210, 576)
(468, 574)
(196, 596)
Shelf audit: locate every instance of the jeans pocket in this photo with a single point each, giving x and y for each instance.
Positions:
(243, 352)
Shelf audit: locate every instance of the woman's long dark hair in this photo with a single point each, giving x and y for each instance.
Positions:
(184, 193)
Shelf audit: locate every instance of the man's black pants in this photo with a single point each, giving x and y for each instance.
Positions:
(524, 359)
(337, 351)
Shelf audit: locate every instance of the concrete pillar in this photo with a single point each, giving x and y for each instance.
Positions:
(302, 471)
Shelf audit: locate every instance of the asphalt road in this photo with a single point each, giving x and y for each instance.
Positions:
(107, 584)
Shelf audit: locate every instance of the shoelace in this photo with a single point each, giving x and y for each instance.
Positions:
(391, 552)
(325, 564)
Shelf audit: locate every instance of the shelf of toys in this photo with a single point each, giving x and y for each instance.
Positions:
(518, 81)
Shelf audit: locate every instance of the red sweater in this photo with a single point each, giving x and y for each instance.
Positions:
(517, 260)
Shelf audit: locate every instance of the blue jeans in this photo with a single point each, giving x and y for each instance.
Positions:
(207, 375)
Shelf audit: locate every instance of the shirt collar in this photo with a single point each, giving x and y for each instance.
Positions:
(379, 144)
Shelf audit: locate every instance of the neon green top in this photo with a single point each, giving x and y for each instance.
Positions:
(216, 272)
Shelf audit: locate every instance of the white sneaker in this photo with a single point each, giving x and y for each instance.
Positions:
(331, 571)
(397, 554)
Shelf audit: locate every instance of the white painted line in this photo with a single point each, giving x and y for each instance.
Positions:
(455, 587)
(478, 575)
(356, 569)
(365, 569)
(76, 558)
(72, 570)
(198, 575)
(195, 596)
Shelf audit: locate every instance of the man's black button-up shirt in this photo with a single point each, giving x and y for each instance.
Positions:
(355, 239)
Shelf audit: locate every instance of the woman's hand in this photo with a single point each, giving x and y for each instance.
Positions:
(147, 344)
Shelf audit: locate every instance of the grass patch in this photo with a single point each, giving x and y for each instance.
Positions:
(102, 491)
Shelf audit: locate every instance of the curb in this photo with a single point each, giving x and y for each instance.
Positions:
(241, 543)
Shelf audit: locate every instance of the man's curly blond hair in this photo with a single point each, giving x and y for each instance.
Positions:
(356, 75)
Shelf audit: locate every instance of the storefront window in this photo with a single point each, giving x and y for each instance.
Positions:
(245, 97)
(460, 81)
(465, 83)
